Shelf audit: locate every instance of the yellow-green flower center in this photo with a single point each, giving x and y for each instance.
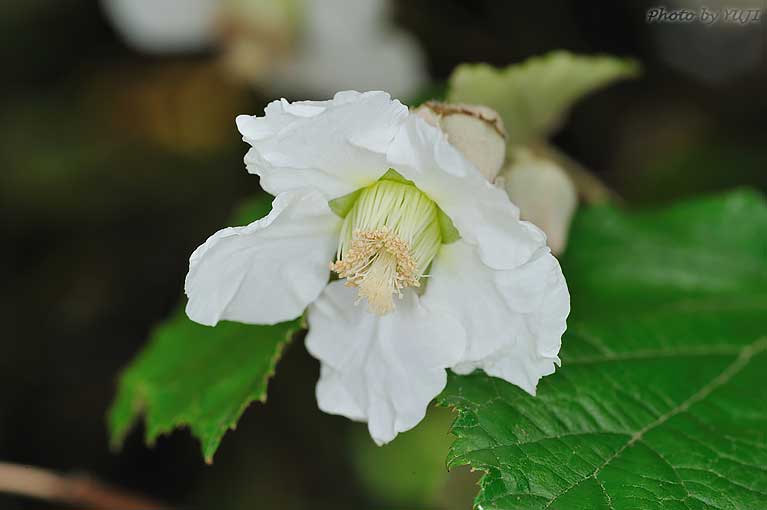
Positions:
(388, 239)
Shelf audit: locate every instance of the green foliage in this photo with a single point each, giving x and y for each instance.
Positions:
(534, 96)
(660, 400)
(198, 376)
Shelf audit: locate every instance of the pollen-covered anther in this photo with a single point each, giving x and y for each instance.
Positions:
(380, 264)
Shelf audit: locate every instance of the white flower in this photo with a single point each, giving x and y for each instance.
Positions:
(435, 268)
(164, 26)
(354, 44)
(291, 46)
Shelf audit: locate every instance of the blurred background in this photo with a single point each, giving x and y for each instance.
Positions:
(119, 155)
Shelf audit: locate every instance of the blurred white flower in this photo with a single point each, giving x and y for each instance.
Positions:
(299, 47)
(164, 26)
(363, 183)
(544, 193)
(258, 36)
(352, 45)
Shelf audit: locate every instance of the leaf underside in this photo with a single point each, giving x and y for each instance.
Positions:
(660, 401)
(534, 96)
(199, 377)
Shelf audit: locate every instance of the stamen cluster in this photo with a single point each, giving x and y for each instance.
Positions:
(379, 263)
(388, 239)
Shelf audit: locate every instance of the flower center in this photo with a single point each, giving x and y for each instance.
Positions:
(388, 239)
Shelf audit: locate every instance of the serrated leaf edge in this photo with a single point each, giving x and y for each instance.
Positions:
(139, 405)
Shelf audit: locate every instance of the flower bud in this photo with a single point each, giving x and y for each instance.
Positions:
(544, 193)
(475, 130)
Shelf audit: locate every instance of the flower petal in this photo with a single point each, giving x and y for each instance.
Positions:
(334, 146)
(514, 319)
(266, 272)
(482, 213)
(334, 397)
(383, 369)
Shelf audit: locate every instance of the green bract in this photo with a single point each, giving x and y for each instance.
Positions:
(533, 97)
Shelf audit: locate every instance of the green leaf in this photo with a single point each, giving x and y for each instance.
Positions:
(660, 401)
(197, 376)
(534, 96)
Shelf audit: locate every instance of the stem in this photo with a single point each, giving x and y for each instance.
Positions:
(42, 484)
